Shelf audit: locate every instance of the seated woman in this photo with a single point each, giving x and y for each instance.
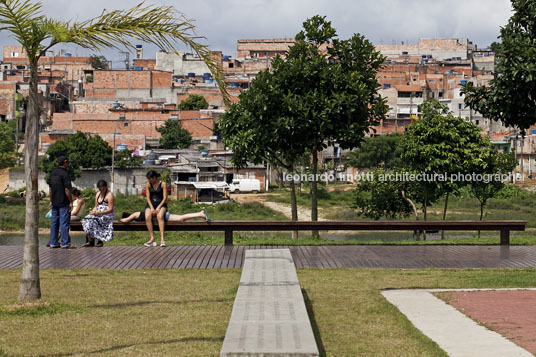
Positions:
(156, 195)
(78, 205)
(98, 224)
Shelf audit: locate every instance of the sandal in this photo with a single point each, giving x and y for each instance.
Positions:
(207, 218)
(99, 244)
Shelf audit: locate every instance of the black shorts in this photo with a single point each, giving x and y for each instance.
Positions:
(141, 218)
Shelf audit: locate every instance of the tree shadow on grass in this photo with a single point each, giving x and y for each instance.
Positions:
(314, 325)
(144, 303)
(120, 347)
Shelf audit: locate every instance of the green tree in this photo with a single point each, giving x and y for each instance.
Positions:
(258, 129)
(511, 95)
(193, 102)
(493, 164)
(98, 62)
(8, 155)
(323, 92)
(125, 158)
(173, 135)
(440, 143)
(82, 151)
(159, 25)
(377, 151)
(381, 197)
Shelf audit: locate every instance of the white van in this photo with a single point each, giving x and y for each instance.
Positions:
(245, 185)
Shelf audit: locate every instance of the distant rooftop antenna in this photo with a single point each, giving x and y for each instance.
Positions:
(127, 60)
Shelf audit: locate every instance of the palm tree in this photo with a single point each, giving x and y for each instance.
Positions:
(163, 26)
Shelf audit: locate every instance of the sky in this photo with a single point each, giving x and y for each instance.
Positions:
(223, 22)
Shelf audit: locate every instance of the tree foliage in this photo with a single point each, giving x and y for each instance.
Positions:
(82, 151)
(511, 94)
(173, 135)
(440, 143)
(381, 197)
(494, 164)
(377, 151)
(125, 159)
(8, 155)
(193, 102)
(323, 92)
(98, 62)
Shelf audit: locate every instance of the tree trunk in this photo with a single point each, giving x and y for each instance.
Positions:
(424, 212)
(314, 186)
(293, 206)
(30, 287)
(445, 214)
(417, 232)
(481, 214)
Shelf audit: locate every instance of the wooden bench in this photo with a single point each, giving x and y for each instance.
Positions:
(228, 227)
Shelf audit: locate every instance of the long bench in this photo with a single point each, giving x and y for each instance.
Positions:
(228, 227)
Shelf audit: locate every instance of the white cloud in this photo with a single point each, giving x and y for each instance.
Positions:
(223, 22)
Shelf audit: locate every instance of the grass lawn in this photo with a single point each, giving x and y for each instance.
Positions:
(186, 312)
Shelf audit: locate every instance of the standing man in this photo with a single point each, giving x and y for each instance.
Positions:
(61, 203)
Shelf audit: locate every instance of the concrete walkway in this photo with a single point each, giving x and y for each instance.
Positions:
(269, 316)
(454, 332)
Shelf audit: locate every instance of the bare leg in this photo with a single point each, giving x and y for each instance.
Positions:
(130, 218)
(161, 224)
(185, 217)
(149, 223)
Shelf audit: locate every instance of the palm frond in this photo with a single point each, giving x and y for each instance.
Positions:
(19, 17)
(163, 26)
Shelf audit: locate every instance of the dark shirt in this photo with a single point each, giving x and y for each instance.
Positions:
(59, 181)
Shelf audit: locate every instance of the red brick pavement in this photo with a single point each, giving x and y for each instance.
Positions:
(511, 313)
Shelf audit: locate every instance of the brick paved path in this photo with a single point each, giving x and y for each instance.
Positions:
(365, 256)
(512, 313)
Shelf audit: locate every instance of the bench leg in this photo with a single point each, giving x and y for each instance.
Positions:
(505, 237)
(228, 236)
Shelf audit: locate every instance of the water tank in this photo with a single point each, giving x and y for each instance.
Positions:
(204, 152)
(429, 56)
(226, 57)
(121, 147)
(152, 156)
(68, 55)
(191, 75)
(386, 85)
(405, 52)
(139, 68)
(148, 163)
(463, 82)
(139, 46)
(424, 61)
(233, 84)
(116, 105)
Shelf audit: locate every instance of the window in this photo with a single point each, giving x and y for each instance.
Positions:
(477, 122)
(440, 95)
(432, 81)
(459, 106)
(231, 65)
(14, 54)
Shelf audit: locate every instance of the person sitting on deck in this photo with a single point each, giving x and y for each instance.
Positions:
(168, 217)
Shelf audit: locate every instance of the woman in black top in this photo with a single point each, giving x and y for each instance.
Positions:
(156, 194)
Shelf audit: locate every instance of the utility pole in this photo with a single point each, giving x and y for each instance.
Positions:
(127, 59)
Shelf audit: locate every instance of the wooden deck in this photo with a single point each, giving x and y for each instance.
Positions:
(211, 257)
